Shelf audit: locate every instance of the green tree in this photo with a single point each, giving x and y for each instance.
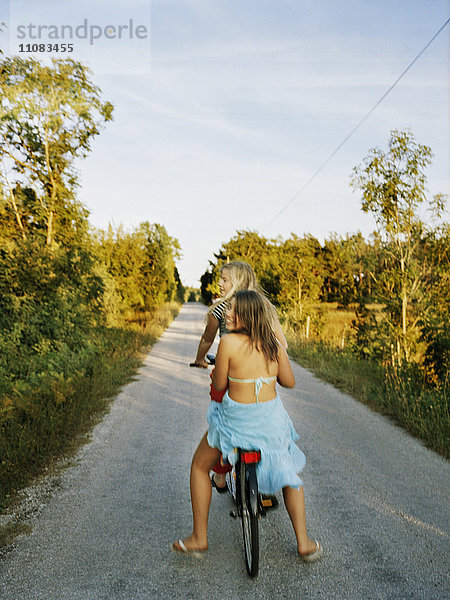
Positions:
(139, 268)
(249, 247)
(51, 292)
(297, 266)
(393, 186)
(160, 273)
(434, 306)
(206, 281)
(48, 118)
(347, 268)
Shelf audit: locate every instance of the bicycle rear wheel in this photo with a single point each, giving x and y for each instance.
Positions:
(249, 517)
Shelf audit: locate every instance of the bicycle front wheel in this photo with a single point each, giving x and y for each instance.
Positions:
(249, 516)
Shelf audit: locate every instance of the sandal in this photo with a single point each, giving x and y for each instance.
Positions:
(221, 489)
(314, 555)
(181, 548)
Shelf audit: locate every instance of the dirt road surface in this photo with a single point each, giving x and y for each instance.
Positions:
(376, 498)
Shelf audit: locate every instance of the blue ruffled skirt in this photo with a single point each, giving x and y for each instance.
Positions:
(264, 426)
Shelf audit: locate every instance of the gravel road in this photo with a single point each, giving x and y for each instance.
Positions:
(376, 498)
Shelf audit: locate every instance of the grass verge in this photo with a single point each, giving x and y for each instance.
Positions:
(399, 393)
(54, 419)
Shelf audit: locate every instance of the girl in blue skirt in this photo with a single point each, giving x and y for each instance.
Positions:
(249, 363)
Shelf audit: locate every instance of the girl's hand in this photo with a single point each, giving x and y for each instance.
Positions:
(200, 365)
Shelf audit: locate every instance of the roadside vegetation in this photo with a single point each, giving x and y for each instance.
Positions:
(369, 315)
(77, 305)
(399, 392)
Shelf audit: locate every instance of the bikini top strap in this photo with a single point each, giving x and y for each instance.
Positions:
(258, 382)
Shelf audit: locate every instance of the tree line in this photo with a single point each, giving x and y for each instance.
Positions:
(403, 267)
(61, 281)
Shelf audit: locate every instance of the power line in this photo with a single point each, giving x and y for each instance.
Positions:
(336, 150)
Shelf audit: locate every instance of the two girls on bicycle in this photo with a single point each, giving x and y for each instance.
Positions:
(234, 276)
(249, 362)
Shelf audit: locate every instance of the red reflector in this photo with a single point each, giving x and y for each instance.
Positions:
(250, 457)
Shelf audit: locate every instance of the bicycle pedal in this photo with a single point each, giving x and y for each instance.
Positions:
(269, 502)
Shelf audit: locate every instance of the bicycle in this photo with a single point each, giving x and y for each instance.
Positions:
(242, 484)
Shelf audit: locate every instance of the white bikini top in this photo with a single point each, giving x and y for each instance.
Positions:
(258, 382)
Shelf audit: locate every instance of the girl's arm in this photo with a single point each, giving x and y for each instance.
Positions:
(276, 325)
(221, 367)
(285, 374)
(280, 335)
(206, 341)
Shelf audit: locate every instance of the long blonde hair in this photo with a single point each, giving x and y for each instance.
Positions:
(243, 277)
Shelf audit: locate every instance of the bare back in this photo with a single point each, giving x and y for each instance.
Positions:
(237, 359)
(248, 363)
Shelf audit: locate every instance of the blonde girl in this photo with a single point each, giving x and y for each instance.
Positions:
(234, 276)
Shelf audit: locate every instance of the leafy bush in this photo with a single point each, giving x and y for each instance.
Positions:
(41, 414)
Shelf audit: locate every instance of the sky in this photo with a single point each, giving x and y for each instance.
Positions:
(224, 109)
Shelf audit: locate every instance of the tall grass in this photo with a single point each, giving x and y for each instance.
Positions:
(400, 392)
(44, 415)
